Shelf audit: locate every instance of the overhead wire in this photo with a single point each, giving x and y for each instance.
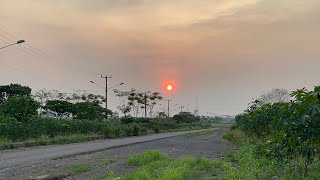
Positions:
(44, 56)
(33, 75)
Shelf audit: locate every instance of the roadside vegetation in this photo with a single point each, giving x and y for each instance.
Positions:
(156, 165)
(78, 169)
(277, 137)
(24, 119)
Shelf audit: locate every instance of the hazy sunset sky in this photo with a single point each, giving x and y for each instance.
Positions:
(225, 52)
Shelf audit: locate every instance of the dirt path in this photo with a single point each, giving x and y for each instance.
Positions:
(99, 163)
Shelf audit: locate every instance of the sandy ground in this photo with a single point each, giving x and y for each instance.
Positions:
(211, 145)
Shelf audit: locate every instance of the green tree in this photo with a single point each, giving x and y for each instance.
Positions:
(89, 110)
(20, 107)
(134, 101)
(62, 108)
(162, 115)
(185, 117)
(7, 91)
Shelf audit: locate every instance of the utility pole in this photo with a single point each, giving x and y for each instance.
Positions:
(181, 107)
(106, 99)
(168, 107)
(145, 104)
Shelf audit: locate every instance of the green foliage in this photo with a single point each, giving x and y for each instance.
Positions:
(62, 108)
(48, 131)
(127, 120)
(146, 158)
(13, 90)
(289, 131)
(20, 107)
(89, 110)
(46, 140)
(252, 165)
(78, 169)
(154, 165)
(185, 117)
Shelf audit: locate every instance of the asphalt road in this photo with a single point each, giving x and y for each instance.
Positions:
(13, 158)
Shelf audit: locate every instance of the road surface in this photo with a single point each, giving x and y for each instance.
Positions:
(12, 158)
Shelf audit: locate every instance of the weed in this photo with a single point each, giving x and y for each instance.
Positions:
(166, 169)
(146, 158)
(78, 169)
(109, 160)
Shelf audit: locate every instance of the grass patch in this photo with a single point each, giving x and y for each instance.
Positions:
(146, 158)
(78, 169)
(108, 160)
(199, 133)
(186, 168)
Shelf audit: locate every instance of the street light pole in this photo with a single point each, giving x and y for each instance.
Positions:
(18, 42)
(168, 107)
(181, 107)
(145, 104)
(106, 77)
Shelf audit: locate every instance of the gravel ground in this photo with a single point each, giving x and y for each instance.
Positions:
(211, 145)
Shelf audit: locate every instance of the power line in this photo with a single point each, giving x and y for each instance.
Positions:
(33, 75)
(43, 55)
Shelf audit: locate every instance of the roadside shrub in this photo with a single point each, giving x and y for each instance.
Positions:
(116, 131)
(127, 120)
(144, 131)
(142, 120)
(185, 117)
(107, 132)
(287, 131)
(128, 130)
(12, 129)
(136, 129)
(156, 129)
(22, 108)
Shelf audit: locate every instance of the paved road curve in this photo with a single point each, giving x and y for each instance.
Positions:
(20, 157)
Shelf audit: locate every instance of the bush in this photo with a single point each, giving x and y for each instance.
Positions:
(128, 131)
(136, 129)
(186, 117)
(20, 107)
(142, 120)
(286, 130)
(156, 129)
(127, 120)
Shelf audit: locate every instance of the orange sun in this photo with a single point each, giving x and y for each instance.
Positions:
(169, 87)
